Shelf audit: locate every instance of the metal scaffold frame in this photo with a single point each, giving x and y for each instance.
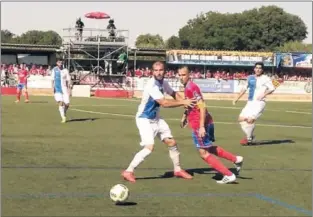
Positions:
(94, 45)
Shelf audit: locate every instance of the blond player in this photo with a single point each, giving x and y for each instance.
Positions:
(150, 124)
(61, 80)
(260, 86)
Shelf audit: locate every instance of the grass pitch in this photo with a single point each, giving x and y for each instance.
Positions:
(54, 169)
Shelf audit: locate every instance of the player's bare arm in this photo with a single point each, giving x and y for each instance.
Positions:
(239, 96)
(178, 96)
(270, 89)
(267, 92)
(201, 106)
(172, 103)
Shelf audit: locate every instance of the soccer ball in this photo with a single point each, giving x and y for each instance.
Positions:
(119, 193)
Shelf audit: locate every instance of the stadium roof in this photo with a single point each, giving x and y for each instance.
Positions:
(29, 47)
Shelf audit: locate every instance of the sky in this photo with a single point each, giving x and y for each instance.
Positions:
(164, 18)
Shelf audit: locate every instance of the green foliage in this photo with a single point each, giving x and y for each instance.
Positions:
(32, 37)
(261, 29)
(150, 41)
(295, 46)
(6, 36)
(173, 42)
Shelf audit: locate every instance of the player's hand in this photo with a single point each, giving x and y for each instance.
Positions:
(184, 120)
(190, 103)
(250, 120)
(202, 132)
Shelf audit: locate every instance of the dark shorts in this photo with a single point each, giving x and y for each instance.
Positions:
(21, 86)
(207, 140)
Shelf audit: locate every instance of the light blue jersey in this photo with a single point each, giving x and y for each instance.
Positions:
(154, 90)
(60, 78)
(257, 86)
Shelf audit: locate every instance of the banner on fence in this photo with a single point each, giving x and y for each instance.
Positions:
(215, 86)
(206, 85)
(297, 60)
(287, 87)
(140, 83)
(230, 58)
(37, 81)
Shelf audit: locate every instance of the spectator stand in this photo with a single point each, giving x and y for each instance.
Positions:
(94, 59)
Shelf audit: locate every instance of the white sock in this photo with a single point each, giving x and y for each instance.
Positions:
(138, 159)
(174, 155)
(244, 127)
(250, 129)
(61, 110)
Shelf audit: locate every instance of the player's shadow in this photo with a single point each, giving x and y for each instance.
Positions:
(217, 176)
(272, 142)
(126, 203)
(38, 102)
(82, 119)
(201, 171)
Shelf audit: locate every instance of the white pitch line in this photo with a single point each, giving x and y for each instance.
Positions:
(175, 119)
(296, 112)
(218, 107)
(101, 105)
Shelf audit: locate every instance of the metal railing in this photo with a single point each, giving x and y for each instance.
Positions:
(95, 35)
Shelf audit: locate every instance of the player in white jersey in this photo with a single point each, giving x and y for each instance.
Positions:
(61, 80)
(150, 124)
(259, 86)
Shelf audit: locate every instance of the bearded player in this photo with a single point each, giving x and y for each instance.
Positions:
(260, 86)
(61, 80)
(201, 123)
(22, 75)
(150, 124)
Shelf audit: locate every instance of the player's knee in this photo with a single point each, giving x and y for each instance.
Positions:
(203, 153)
(240, 119)
(169, 142)
(149, 147)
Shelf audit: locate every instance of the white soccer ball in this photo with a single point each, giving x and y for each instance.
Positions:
(119, 193)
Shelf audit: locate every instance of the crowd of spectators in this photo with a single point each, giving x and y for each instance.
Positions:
(224, 74)
(9, 71)
(33, 69)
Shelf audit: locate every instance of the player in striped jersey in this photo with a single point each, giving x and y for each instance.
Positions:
(61, 80)
(259, 86)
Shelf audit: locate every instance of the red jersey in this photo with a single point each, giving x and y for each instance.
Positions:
(22, 76)
(192, 91)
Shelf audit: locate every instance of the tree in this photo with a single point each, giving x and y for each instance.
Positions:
(295, 46)
(7, 36)
(150, 41)
(32, 37)
(40, 37)
(261, 29)
(173, 43)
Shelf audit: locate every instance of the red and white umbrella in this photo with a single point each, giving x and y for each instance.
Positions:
(97, 15)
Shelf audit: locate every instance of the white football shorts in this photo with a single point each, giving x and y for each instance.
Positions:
(253, 109)
(149, 129)
(62, 97)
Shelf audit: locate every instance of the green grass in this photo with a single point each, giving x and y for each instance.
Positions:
(68, 169)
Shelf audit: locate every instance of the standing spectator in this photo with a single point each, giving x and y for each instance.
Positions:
(48, 71)
(41, 71)
(79, 27)
(33, 70)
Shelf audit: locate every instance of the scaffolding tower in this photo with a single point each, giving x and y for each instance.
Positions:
(93, 55)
